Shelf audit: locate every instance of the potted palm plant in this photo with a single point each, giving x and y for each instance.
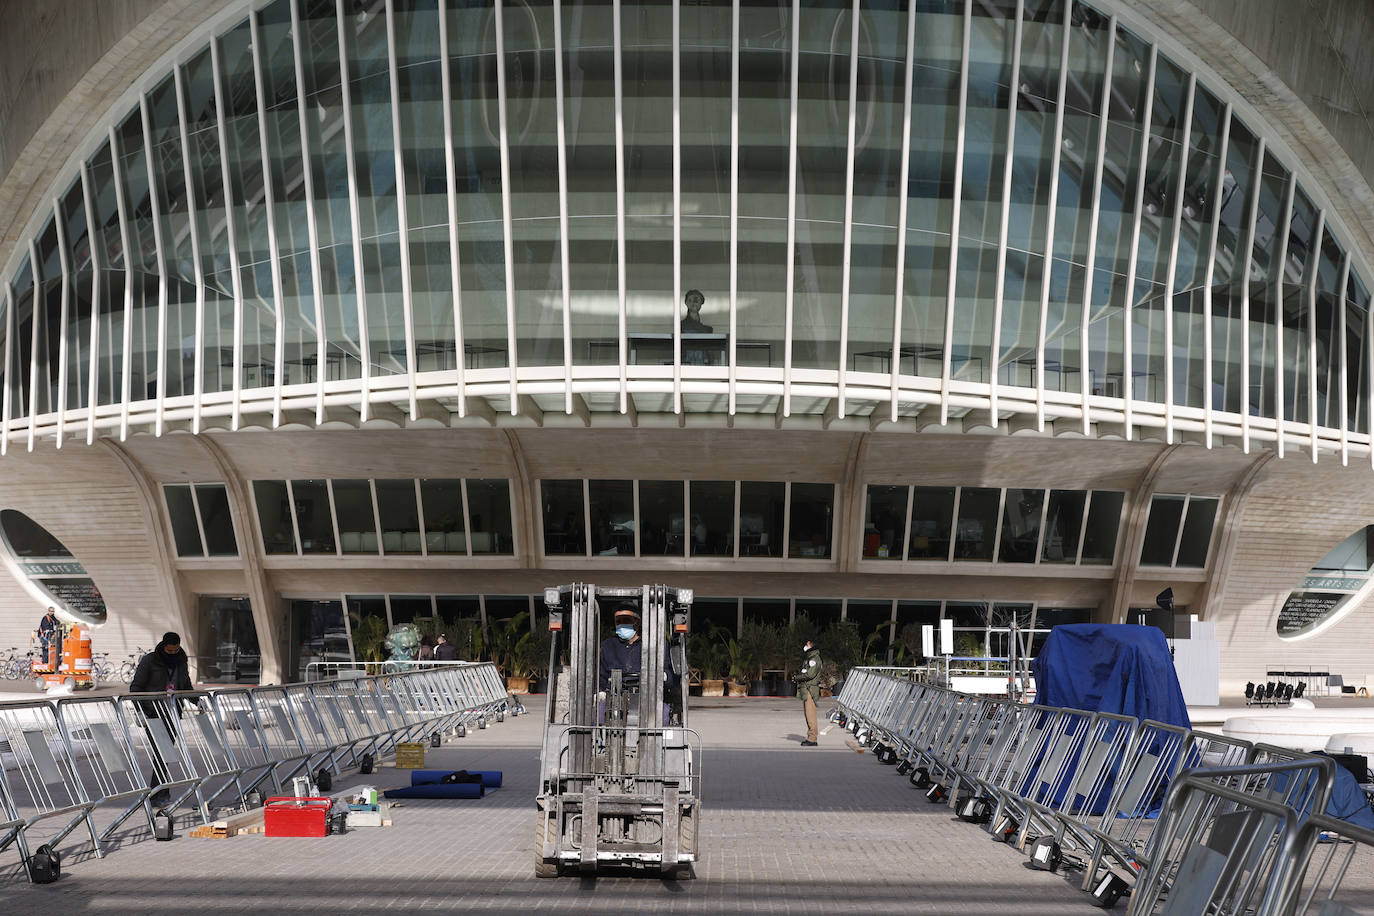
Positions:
(704, 653)
(536, 654)
(509, 639)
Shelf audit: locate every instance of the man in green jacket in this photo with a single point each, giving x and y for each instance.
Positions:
(809, 689)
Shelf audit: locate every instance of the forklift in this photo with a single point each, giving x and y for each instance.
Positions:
(619, 767)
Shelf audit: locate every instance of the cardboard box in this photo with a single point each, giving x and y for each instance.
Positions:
(410, 756)
(364, 818)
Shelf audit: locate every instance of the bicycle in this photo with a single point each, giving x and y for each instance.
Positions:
(16, 667)
(129, 666)
(101, 669)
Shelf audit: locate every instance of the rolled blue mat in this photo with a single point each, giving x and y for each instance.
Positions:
(490, 778)
(435, 790)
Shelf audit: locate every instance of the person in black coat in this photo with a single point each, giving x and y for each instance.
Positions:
(164, 669)
(445, 651)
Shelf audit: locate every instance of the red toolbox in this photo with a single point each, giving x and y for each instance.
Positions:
(291, 816)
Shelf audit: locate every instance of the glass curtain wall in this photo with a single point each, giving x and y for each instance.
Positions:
(327, 190)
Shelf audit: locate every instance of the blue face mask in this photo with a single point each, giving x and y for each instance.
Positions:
(625, 632)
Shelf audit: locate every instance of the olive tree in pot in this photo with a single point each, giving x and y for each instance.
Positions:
(706, 658)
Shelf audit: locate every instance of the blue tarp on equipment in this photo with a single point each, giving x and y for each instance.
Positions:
(1119, 668)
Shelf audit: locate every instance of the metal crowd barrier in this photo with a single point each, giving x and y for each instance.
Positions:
(98, 762)
(1130, 802)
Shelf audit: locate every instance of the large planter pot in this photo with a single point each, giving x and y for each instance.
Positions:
(738, 690)
(517, 685)
(711, 688)
(539, 685)
(785, 689)
(759, 688)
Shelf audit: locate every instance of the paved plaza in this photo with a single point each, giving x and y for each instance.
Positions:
(785, 829)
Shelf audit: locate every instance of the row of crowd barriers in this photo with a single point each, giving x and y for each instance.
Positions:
(1185, 821)
(99, 762)
(319, 671)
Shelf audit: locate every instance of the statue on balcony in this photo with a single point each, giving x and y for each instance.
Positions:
(693, 324)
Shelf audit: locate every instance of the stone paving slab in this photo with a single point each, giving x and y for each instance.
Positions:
(785, 830)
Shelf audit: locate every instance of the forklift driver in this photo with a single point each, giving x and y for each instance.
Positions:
(623, 651)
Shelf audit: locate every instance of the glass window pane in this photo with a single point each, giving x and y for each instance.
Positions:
(612, 504)
(274, 516)
(317, 635)
(977, 523)
(713, 518)
(812, 520)
(760, 519)
(912, 616)
(709, 613)
(874, 620)
(823, 612)
(460, 620)
(215, 517)
(1197, 532)
(489, 516)
(1021, 526)
(443, 505)
(932, 513)
(409, 608)
(661, 522)
(357, 524)
(367, 619)
(1063, 525)
(312, 515)
(400, 521)
(884, 522)
(564, 519)
(1161, 531)
(970, 624)
(1104, 520)
(182, 511)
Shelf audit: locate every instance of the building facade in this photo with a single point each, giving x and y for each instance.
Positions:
(316, 311)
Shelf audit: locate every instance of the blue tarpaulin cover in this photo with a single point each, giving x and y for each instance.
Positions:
(1120, 668)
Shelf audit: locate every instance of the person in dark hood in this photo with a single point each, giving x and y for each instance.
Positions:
(164, 669)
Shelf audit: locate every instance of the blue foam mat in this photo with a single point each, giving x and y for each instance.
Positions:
(490, 778)
(436, 790)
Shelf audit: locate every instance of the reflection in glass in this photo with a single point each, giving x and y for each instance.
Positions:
(564, 518)
(811, 520)
(662, 530)
(399, 518)
(1161, 531)
(216, 519)
(1197, 532)
(713, 518)
(977, 530)
(760, 519)
(612, 505)
(312, 516)
(932, 514)
(1104, 520)
(1063, 524)
(274, 516)
(357, 524)
(885, 522)
(489, 516)
(442, 501)
(408, 608)
(182, 511)
(1021, 526)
